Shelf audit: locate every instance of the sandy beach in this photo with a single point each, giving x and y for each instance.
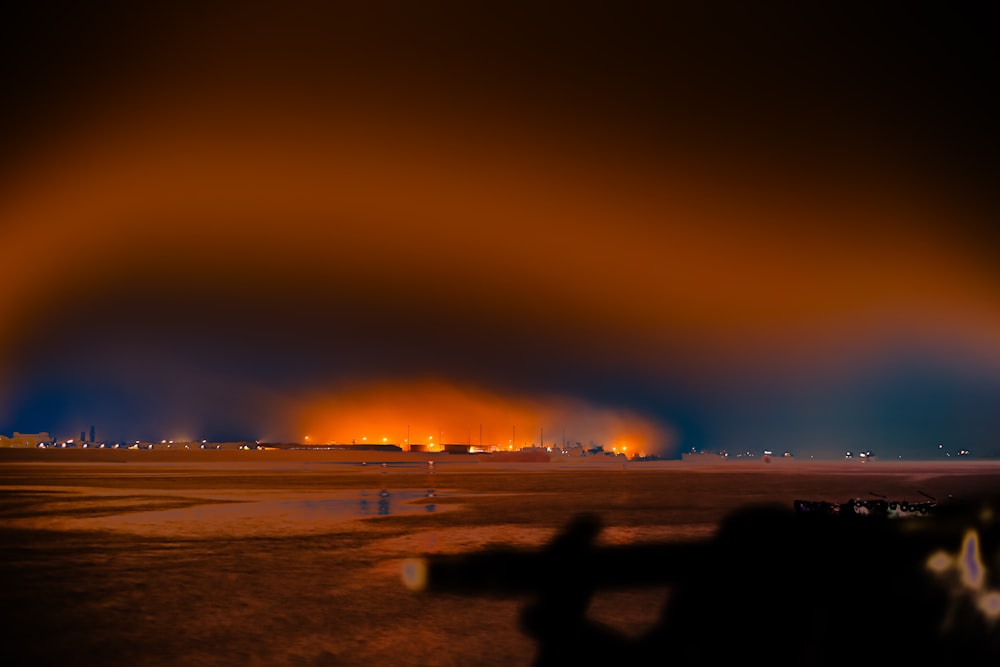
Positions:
(295, 558)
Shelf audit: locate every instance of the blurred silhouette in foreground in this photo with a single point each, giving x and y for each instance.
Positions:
(815, 584)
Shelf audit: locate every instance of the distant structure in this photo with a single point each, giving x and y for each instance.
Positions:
(83, 436)
(92, 433)
(703, 456)
(25, 439)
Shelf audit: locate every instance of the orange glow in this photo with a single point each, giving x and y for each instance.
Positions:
(437, 413)
(640, 265)
(644, 267)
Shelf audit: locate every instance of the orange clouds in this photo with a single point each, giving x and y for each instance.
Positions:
(642, 252)
(409, 237)
(671, 210)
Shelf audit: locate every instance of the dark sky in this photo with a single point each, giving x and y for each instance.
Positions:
(667, 225)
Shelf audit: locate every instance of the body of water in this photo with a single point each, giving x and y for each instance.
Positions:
(201, 564)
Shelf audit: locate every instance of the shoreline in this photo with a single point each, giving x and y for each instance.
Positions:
(485, 462)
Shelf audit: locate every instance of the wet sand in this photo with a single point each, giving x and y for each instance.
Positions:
(275, 558)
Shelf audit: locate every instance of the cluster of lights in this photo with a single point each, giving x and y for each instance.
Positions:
(961, 452)
(617, 450)
(620, 449)
(136, 444)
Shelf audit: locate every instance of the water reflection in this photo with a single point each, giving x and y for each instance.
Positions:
(274, 513)
(430, 507)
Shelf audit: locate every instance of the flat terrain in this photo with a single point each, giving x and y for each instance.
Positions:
(276, 558)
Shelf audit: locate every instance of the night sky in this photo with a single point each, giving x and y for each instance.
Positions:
(629, 224)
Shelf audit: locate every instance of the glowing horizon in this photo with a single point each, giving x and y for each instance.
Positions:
(434, 412)
(189, 250)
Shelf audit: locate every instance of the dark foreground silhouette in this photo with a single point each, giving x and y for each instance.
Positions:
(808, 585)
